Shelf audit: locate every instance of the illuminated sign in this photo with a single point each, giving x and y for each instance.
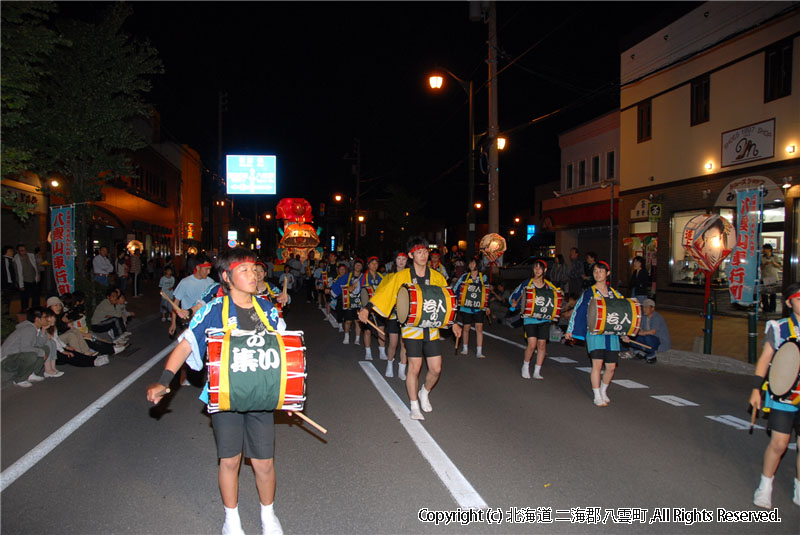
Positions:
(531, 232)
(255, 175)
(189, 231)
(233, 235)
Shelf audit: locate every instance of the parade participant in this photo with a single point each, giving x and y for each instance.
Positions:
(336, 303)
(331, 271)
(190, 291)
(393, 327)
(251, 434)
(436, 264)
(265, 289)
(319, 285)
(603, 348)
(470, 290)
(350, 284)
(783, 415)
(372, 279)
(537, 331)
(420, 342)
(309, 266)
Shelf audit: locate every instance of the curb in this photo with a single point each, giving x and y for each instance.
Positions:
(688, 359)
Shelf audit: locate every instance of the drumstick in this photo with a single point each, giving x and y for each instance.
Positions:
(171, 302)
(639, 344)
(753, 419)
(312, 422)
(376, 328)
(285, 282)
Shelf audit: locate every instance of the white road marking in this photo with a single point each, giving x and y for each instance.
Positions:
(27, 461)
(462, 491)
(675, 400)
(563, 360)
(733, 421)
(627, 383)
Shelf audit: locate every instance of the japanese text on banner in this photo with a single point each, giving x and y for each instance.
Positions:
(743, 269)
(62, 223)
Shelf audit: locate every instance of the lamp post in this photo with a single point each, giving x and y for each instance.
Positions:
(436, 83)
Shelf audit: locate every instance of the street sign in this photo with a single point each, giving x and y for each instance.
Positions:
(251, 174)
(231, 243)
(655, 212)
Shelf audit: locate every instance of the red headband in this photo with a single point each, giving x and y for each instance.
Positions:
(543, 263)
(371, 258)
(608, 268)
(234, 265)
(401, 253)
(793, 296)
(204, 264)
(417, 248)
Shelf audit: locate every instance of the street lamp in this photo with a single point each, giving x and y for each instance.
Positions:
(501, 143)
(516, 220)
(478, 205)
(436, 81)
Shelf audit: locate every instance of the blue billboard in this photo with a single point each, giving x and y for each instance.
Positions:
(254, 175)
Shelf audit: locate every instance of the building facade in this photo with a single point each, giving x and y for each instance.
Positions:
(710, 105)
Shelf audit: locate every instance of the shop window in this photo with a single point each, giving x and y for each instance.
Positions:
(596, 169)
(582, 173)
(644, 122)
(682, 266)
(568, 176)
(610, 164)
(701, 92)
(778, 70)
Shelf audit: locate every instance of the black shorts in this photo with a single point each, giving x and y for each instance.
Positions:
(467, 318)
(392, 326)
(349, 314)
(422, 348)
(251, 433)
(784, 421)
(540, 331)
(606, 355)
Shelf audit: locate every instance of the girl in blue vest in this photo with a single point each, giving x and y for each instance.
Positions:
(603, 348)
(783, 415)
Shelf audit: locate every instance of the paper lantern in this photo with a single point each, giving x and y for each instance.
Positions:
(708, 239)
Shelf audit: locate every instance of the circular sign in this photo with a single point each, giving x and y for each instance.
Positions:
(231, 243)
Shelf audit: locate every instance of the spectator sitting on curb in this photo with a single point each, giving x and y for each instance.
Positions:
(65, 354)
(654, 333)
(24, 349)
(498, 301)
(108, 317)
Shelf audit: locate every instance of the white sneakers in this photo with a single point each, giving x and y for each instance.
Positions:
(526, 372)
(102, 360)
(367, 353)
(357, 341)
(270, 525)
(537, 376)
(463, 351)
(389, 369)
(424, 402)
(415, 413)
(796, 498)
(56, 373)
(231, 528)
(24, 384)
(401, 371)
(341, 329)
(119, 349)
(33, 378)
(763, 494)
(346, 338)
(481, 355)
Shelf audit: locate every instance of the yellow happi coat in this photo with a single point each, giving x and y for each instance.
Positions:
(385, 298)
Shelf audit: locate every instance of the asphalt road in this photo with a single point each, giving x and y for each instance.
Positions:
(517, 443)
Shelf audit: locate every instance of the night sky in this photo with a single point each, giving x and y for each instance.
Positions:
(303, 79)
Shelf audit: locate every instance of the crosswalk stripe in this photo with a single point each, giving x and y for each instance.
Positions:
(563, 360)
(627, 383)
(675, 400)
(733, 421)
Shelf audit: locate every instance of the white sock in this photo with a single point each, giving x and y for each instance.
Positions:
(596, 393)
(536, 369)
(358, 338)
(464, 347)
(401, 368)
(232, 516)
(267, 510)
(766, 482)
(526, 364)
(480, 350)
(382, 352)
(415, 404)
(368, 350)
(603, 388)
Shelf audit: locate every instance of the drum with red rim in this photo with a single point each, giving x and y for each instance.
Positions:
(429, 307)
(256, 371)
(614, 316)
(366, 294)
(542, 303)
(269, 297)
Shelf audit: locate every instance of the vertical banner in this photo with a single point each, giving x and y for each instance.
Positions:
(743, 270)
(62, 239)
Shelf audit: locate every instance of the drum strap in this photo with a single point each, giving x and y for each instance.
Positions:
(792, 329)
(610, 290)
(225, 353)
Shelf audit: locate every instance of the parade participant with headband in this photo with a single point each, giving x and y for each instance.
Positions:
(251, 434)
(471, 292)
(189, 292)
(420, 342)
(393, 327)
(437, 265)
(784, 416)
(537, 331)
(603, 348)
(371, 278)
(348, 288)
(336, 303)
(264, 289)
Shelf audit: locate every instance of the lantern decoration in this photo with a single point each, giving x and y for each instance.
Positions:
(493, 246)
(297, 236)
(708, 238)
(133, 245)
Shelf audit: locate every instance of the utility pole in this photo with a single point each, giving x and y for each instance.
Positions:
(494, 171)
(222, 106)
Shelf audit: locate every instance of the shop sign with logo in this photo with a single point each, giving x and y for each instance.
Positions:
(748, 143)
(641, 210)
(655, 211)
